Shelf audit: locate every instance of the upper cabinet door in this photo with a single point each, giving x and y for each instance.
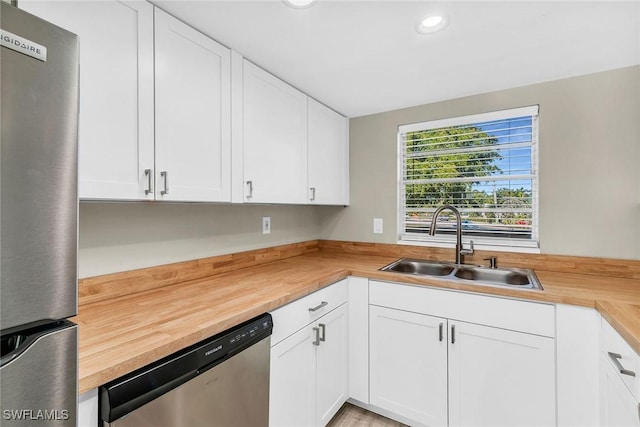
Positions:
(328, 156)
(193, 107)
(116, 93)
(275, 139)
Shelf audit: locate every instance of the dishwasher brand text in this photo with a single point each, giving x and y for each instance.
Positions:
(213, 350)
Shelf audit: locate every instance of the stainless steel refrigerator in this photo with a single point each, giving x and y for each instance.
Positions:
(38, 221)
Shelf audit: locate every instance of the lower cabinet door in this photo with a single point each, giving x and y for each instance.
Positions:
(331, 363)
(408, 364)
(618, 407)
(293, 380)
(499, 377)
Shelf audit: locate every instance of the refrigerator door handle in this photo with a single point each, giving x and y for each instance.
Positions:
(13, 345)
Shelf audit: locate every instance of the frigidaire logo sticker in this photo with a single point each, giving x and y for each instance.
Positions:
(22, 45)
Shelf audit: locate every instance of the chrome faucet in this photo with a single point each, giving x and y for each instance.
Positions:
(460, 251)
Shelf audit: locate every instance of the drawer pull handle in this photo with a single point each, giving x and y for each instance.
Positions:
(616, 361)
(318, 307)
(317, 341)
(323, 329)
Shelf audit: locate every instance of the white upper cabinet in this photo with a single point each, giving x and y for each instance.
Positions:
(328, 156)
(193, 114)
(275, 139)
(156, 116)
(116, 93)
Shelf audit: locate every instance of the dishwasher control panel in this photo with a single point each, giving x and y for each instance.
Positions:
(229, 343)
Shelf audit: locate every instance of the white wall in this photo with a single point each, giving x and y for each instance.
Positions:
(589, 164)
(124, 236)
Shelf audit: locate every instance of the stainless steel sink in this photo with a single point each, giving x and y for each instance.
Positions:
(420, 267)
(519, 278)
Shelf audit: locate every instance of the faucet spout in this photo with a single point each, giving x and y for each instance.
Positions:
(460, 251)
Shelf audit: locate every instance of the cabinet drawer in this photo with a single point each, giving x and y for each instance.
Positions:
(297, 314)
(516, 315)
(612, 342)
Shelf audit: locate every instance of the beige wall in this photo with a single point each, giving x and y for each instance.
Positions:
(124, 236)
(589, 185)
(589, 164)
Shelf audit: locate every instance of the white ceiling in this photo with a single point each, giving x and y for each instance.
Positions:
(362, 57)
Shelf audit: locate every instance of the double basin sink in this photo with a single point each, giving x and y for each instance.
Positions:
(517, 278)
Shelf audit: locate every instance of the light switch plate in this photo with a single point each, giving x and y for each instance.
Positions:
(266, 225)
(377, 225)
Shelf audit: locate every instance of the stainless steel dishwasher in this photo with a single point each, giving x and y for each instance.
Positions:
(221, 381)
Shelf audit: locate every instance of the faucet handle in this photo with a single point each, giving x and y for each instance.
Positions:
(469, 251)
(493, 262)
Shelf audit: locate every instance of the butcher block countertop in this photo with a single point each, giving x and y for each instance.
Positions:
(128, 331)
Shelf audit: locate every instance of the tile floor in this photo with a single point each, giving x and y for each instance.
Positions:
(353, 416)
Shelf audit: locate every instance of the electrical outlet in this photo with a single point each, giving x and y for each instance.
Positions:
(377, 225)
(266, 225)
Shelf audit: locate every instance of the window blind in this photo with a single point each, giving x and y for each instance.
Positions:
(484, 165)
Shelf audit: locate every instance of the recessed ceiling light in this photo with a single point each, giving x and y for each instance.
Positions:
(432, 24)
(299, 4)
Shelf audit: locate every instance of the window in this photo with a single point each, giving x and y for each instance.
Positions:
(484, 165)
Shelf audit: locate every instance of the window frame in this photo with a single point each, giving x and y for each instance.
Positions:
(484, 243)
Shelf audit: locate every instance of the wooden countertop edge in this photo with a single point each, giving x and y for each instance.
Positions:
(627, 326)
(617, 316)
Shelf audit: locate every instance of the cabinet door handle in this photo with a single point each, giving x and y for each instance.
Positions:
(453, 334)
(165, 180)
(147, 173)
(615, 357)
(250, 184)
(441, 331)
(313, 193)
(323, 330)
(317, 341)
(319, 306)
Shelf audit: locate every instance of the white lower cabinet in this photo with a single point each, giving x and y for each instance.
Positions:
(499, 377)
(309, 373)
(331, 364)
(88, 409)
(618, 407)
(408, 362)
(293, 381)
(437, 371)
(309, 367)
(619, 380)
(578, 362)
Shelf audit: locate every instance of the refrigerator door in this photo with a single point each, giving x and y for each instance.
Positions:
(38, 377)
(38, 170)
